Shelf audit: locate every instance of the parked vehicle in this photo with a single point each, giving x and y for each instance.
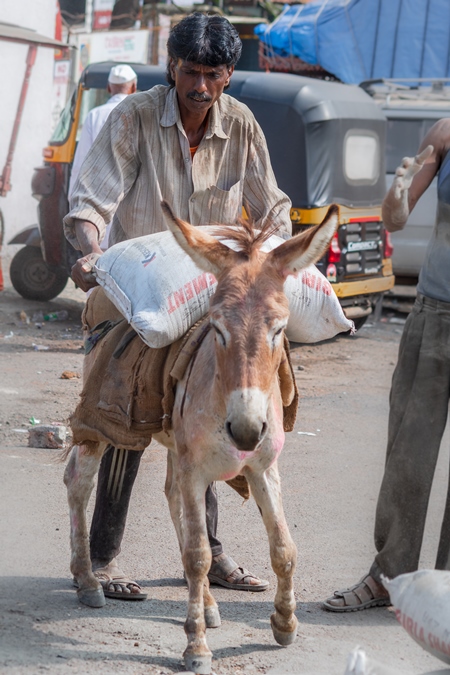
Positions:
(326, 142)
(33, 40)
(411, 108)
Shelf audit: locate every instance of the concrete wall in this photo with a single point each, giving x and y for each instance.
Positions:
(19, 208)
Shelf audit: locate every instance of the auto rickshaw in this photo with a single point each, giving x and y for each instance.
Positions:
(25, 36)
(326, 141)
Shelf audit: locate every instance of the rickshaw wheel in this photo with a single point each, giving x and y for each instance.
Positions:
(32, 278)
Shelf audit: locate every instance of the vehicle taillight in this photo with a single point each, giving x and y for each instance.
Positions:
(388, 247)
(332, 273)
(334, 252)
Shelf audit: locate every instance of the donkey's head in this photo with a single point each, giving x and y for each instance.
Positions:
(249, 313)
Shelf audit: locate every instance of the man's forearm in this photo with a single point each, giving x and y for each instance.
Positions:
(87, 236)
(395, 210)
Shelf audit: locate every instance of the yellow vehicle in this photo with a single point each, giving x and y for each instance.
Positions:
(326, 142)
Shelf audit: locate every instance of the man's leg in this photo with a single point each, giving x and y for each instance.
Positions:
(224, 571)
(118, 471)
(418, 414)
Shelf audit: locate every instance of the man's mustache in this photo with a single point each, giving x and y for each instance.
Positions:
(202, 98)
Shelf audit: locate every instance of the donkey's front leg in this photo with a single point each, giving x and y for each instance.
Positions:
(266, 490)
(173, 494)
(197, 562)
(79, 478)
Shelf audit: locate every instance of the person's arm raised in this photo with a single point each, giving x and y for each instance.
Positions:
(399, 201)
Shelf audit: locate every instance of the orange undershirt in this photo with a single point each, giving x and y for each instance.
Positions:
(193, 151)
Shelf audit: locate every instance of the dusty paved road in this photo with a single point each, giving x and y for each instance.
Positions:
(330, 483)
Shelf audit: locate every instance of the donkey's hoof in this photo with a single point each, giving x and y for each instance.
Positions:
(212, 617)
(92, 597)
(200, 665)
(283, 637)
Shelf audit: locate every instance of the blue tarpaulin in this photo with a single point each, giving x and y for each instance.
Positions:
(357, 40)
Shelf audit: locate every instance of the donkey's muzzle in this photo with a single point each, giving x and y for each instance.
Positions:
(245, 436)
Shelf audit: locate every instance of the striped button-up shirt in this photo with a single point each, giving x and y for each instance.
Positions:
(142, 156)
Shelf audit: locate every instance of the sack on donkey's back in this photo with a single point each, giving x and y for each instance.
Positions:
(162, 292)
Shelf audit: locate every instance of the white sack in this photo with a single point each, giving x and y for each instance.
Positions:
(162, 292)
(422, 606)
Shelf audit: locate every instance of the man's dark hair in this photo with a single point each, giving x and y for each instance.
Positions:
(210, 40)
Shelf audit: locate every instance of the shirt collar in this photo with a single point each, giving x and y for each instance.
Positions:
(117, 98)
(171, 116)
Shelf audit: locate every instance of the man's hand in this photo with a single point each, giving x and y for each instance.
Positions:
(82, 271)
(405, 173)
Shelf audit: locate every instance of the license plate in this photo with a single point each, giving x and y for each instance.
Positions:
(362, 245)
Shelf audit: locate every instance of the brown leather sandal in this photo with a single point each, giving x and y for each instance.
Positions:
(225, 572)
(116, 584)
(366, 593)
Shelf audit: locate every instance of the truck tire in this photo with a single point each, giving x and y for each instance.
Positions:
(32, 278)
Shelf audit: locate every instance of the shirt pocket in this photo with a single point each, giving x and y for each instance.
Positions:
(225, 206)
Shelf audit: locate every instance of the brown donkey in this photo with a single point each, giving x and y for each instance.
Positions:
(227, 421)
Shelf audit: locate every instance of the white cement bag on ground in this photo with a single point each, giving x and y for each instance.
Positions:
(422, 606)
(162, 292)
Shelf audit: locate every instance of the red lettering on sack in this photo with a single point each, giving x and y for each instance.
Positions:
(211, 279)
(170, 306)
(188, 291)
(200, 283)
(316, 282)
(175, 299)
(308, 279)
(178, 297)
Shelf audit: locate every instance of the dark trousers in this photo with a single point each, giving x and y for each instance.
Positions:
(118, 471)
(418, 414)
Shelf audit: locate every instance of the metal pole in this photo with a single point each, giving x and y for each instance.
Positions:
(5, 185)
(88, 15)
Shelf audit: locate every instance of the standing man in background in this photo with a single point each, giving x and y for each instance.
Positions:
(122, 82)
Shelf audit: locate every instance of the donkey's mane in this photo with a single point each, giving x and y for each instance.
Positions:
(245, 235)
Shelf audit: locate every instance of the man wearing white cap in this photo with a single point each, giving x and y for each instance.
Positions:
(122, 81)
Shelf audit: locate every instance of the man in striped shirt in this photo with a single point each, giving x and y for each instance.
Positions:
(204, 153)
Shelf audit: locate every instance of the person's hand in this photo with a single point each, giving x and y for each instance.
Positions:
(82, 271)
(405, 173)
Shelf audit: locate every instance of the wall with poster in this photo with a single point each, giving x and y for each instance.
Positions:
(126, 46)
(19, 207)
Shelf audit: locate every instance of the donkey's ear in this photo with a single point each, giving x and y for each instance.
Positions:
(206, 251)
(306, 248)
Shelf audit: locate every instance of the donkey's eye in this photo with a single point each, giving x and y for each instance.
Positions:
(276, 335)
(219, 336)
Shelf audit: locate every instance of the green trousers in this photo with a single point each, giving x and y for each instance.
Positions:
(419, 402)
